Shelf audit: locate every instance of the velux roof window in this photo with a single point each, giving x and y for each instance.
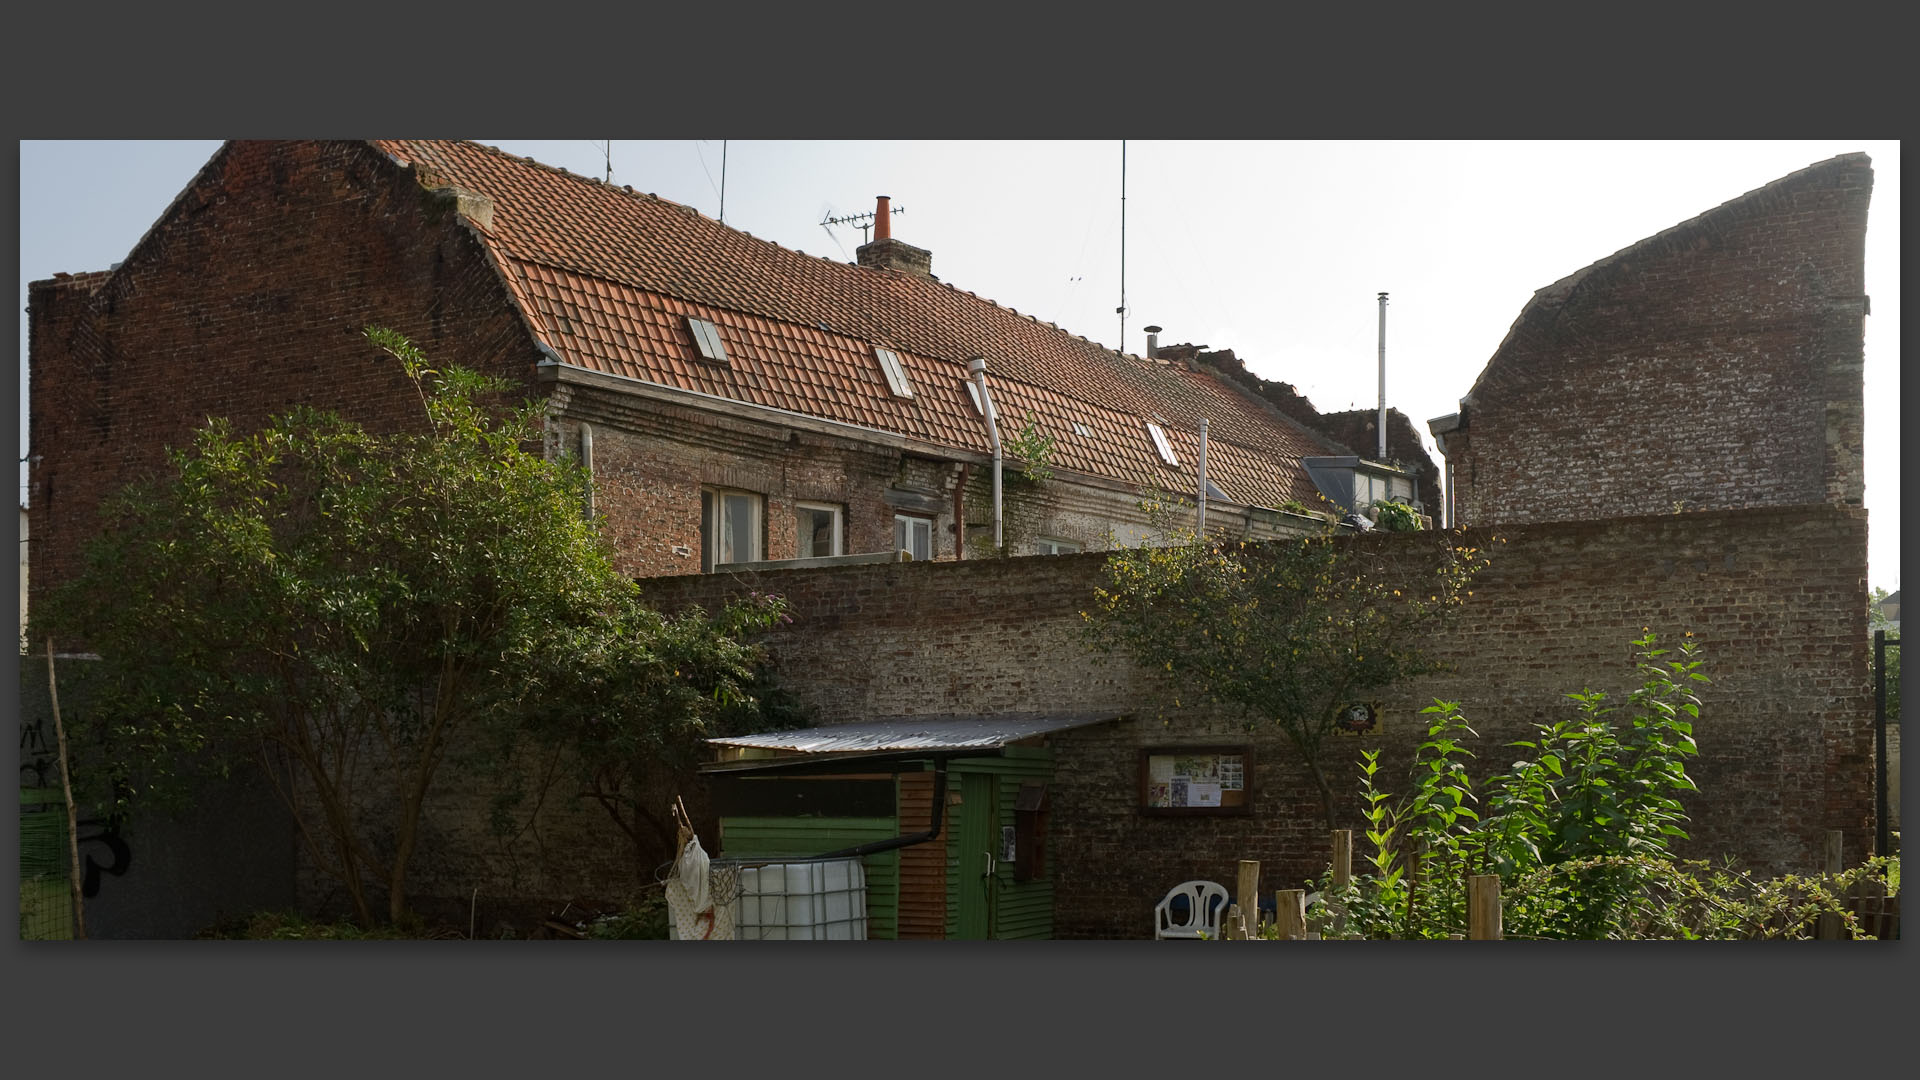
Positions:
(707, 340)
(1161, 444)
(896, 375)
(973, 395)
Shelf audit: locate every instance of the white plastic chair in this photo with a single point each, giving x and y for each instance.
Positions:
(1206, 905)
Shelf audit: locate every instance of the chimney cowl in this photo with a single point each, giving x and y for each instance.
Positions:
(883, 217)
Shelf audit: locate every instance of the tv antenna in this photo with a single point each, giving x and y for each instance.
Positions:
(863, 221)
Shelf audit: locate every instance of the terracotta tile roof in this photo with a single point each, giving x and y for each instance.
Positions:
(608, 277)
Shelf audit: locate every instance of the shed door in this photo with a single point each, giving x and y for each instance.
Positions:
(977, 848)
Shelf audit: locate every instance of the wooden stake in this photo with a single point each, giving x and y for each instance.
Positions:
(66, 788)
(1290, 913)
(1342, 876)
(1231, 928)
(1248, 894)
(1483, 907)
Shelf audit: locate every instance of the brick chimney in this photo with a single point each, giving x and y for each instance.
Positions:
(886, 253)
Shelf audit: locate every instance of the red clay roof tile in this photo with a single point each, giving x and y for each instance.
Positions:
(608, 277)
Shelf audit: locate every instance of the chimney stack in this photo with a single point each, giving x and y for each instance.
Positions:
(886, 253)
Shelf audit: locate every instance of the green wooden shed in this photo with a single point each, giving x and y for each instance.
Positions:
(948, 815)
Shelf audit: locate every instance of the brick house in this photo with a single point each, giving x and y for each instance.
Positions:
(1716, 364)
(736, 401)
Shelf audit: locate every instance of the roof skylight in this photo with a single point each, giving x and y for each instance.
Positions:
(973, 394)
(1161, 444)
(896, 374)
(707, 339)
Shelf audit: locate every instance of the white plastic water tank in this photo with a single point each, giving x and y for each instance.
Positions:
(811, 900)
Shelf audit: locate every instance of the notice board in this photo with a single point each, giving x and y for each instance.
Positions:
(1183, 780)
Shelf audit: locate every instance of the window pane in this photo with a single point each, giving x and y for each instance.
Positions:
(900, 534)
(816, 533)
(923, 540)
(736, 536)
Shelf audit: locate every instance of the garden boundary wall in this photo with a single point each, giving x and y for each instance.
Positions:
(1776, 598)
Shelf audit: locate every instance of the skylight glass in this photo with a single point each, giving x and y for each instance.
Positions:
(707, 339)
(1161, 444)
(973, 394)
(896, 375)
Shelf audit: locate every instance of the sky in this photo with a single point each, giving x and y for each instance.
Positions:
(1276, 250)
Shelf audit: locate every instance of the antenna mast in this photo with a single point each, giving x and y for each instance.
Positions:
(1122, 309)
(862, 221)
(723, 181)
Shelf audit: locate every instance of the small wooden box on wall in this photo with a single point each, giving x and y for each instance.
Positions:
(1030, 831)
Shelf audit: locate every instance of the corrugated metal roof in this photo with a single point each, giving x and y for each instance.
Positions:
(914, 733)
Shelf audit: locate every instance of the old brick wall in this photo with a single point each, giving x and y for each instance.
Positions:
(248, 297)
(1716, 364)
(1776, 597)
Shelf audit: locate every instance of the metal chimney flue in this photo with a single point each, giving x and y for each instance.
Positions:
(1382, 425)
(1153, 341)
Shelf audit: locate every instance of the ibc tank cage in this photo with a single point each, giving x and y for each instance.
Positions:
(820, 899)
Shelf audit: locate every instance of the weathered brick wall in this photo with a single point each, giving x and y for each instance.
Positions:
(1776, 598)
(1716, 364)
(249, 297)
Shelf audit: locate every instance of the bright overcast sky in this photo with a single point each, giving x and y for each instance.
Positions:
(1276, 250)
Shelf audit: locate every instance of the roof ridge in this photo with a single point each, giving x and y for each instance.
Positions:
(1572, 281)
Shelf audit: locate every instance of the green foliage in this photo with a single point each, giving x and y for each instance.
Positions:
(1289, 631)
(355, 611)
(1033, 448)
(1580, 828)
(1877, 620)
(1396, 517)
(644, 919)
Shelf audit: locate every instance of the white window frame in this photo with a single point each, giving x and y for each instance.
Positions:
(1161, 444)
(895, 372)
(913, 521)
(713, 522)
(1047, 546)
(839, 522)
(706, 339)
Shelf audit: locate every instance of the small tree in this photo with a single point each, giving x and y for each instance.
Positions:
(1289, 631)
(352, 610)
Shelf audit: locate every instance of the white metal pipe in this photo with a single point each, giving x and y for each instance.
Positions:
(1200, 517)
(586, 461)
(1383, 377)
(978, 367)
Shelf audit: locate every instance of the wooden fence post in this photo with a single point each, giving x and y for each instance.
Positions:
(1290, 913)
(1483, 907)
(1248, 895)
(1830, 926)
(1342, 877)
(1231, 927)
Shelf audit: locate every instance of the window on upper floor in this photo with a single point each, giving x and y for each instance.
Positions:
(706, 338)
(1044, 546)
(816, 530)
(913, 534)
(731, 529)
(896, 374)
